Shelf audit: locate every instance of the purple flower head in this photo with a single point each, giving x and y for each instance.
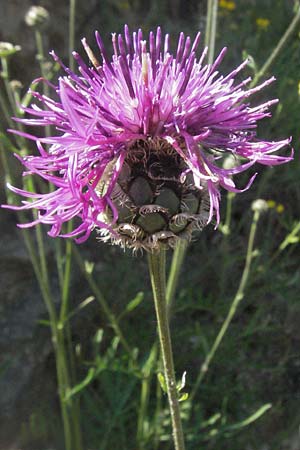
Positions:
(123, 121)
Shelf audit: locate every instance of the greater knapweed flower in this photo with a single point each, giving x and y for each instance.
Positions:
(139, 140)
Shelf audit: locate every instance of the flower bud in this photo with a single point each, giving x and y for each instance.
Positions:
(7, 49)
(259, 205)
(36, 16)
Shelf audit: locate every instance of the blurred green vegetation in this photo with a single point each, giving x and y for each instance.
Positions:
(258, 362)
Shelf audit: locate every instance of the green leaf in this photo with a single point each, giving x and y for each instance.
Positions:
(89, 267)
(184, 396)
(98, 336)
(134, 303)
(44, 322)
(250, 419)
(81, 305)
(162, 381)
(211, 421)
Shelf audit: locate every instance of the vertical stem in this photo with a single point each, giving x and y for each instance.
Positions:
(147, 371)
(177, 261)
(72, 9)
(211, 28)
(225, 254)
(66, 339)
(62, 377)
(41, 59)
(157, 415)
(12, 105)
(157, 267)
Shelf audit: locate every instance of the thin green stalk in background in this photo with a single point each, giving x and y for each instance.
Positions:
(226, 230)
(4, 107)
(147, 372)
(59, 326)
(234, 305)
(279, 47)
(290, 239)
(173, 277)
(66, 334)
(41, 59)
(11, 99)
(157, 415)
(5, 76)
(40, 269)
(211, 28)
(72, 9)
(157, 270)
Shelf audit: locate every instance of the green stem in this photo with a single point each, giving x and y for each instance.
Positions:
(176, 264)
(237, 299)
(289, 237)
(157, 265)
(72, 8)
(5, 76)
(145, 395)
(39, 264)
(286, 241)
(224, 243)
(66, 336)
(230, 196)
(177, 261)
(41, 59)
(5, 107)
(66, 281)
(211, 28)
(157, 416)
(208, 23)
(282, 42)
(63, 384)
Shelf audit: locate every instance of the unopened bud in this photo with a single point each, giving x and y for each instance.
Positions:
(8, 49)
(259, 205)
(36, 16)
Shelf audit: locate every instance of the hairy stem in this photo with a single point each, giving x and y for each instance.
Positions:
(157, 268)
